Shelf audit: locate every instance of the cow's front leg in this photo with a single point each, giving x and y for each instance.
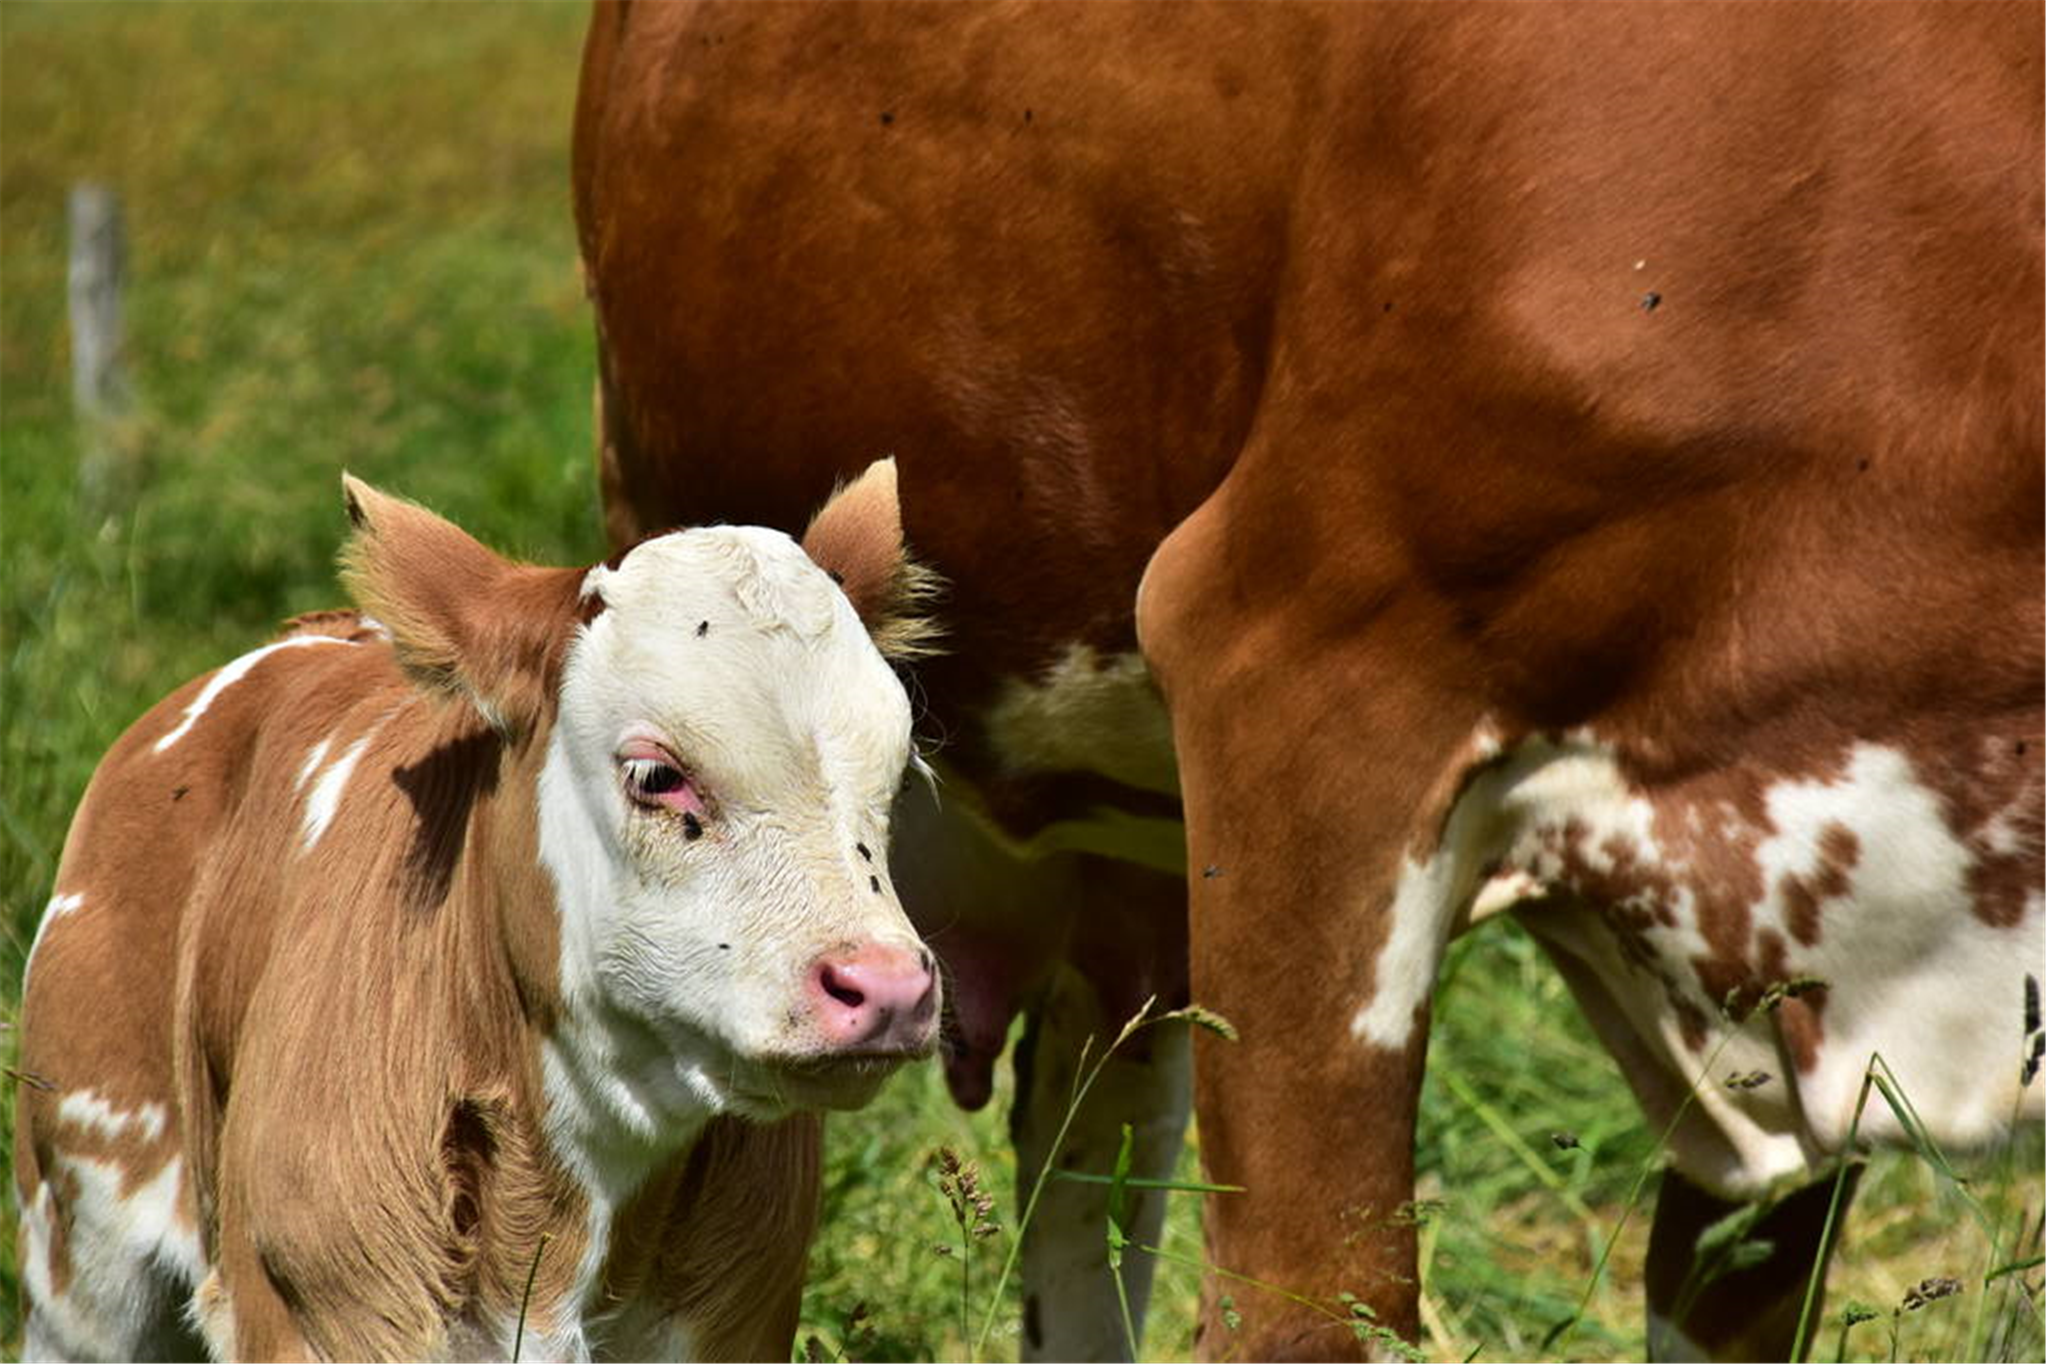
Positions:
(1329, 855)
(1706, 1307)
(1070, 1304)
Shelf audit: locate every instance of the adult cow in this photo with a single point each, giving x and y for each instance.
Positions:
(1584, 458)
(417, 984)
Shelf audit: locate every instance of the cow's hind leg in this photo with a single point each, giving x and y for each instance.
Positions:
(1724, 1304)
(1072, 1309)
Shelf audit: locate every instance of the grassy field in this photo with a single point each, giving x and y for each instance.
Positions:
(351, 248)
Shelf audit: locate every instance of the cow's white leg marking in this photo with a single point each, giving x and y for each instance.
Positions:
(231, 674)
(1428, 899)
(325, 797)
(1069, 1295)
(60, 905)
(1423, 907)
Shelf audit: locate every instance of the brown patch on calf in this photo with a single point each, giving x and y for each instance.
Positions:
(338, 623)
(719, 1238)
(857, 538)
(463, 620)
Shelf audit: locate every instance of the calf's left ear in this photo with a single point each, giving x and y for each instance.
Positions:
(465, 622)
(857, 539)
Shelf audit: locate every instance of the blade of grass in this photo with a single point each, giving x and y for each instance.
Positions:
(526, 1298)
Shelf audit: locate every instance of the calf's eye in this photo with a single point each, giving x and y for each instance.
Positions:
(654, 779)
(651, 777)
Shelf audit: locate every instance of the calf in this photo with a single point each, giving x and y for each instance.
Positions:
(472, 965)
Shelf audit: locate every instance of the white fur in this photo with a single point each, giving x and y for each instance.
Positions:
(1914, 974)
(1088, 713)
(1063, 1267)
(89, 1110)
(60, 905)
(231, 674)
(1667, 1343)
(131, 1256)
(313, 759)
(324, 800)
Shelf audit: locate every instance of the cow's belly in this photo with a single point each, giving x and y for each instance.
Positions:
(1092, 715)
(1672, 917)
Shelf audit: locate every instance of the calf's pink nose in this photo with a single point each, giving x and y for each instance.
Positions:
(875, 998)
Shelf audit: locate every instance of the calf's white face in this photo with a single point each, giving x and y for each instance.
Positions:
(714, 810)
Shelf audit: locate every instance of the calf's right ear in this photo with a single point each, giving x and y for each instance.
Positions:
(465, 622)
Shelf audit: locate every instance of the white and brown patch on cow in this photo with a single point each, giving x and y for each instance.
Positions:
(1897, 894)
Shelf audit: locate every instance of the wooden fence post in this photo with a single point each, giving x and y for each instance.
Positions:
(99, 384)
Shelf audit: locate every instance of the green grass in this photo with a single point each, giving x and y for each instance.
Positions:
(351, 247)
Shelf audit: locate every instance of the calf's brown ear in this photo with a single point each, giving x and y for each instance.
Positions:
(857, 538)
(465, 622)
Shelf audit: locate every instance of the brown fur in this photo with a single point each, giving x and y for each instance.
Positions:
(856, 537)
(1330, 316)
(462, 620)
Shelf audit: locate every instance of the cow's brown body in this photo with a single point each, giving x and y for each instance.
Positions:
(1458, 380)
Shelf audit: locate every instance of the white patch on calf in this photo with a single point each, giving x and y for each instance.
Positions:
(231, 674)
(87, 1109)
(313, 759)
(131, 1257)
(324, 801)
(59, 906)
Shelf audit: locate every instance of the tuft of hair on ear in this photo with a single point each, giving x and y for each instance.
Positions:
(464, 621)
(856, 537)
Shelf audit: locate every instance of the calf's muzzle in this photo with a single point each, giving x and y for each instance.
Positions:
(875, 999)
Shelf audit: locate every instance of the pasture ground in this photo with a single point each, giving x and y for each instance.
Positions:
(351, 247)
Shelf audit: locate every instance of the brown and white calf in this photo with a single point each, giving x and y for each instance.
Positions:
(519, 919)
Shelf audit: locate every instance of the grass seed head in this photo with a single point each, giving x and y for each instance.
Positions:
(1929, 1291)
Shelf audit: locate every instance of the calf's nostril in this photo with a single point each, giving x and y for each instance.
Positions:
(840, 989)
